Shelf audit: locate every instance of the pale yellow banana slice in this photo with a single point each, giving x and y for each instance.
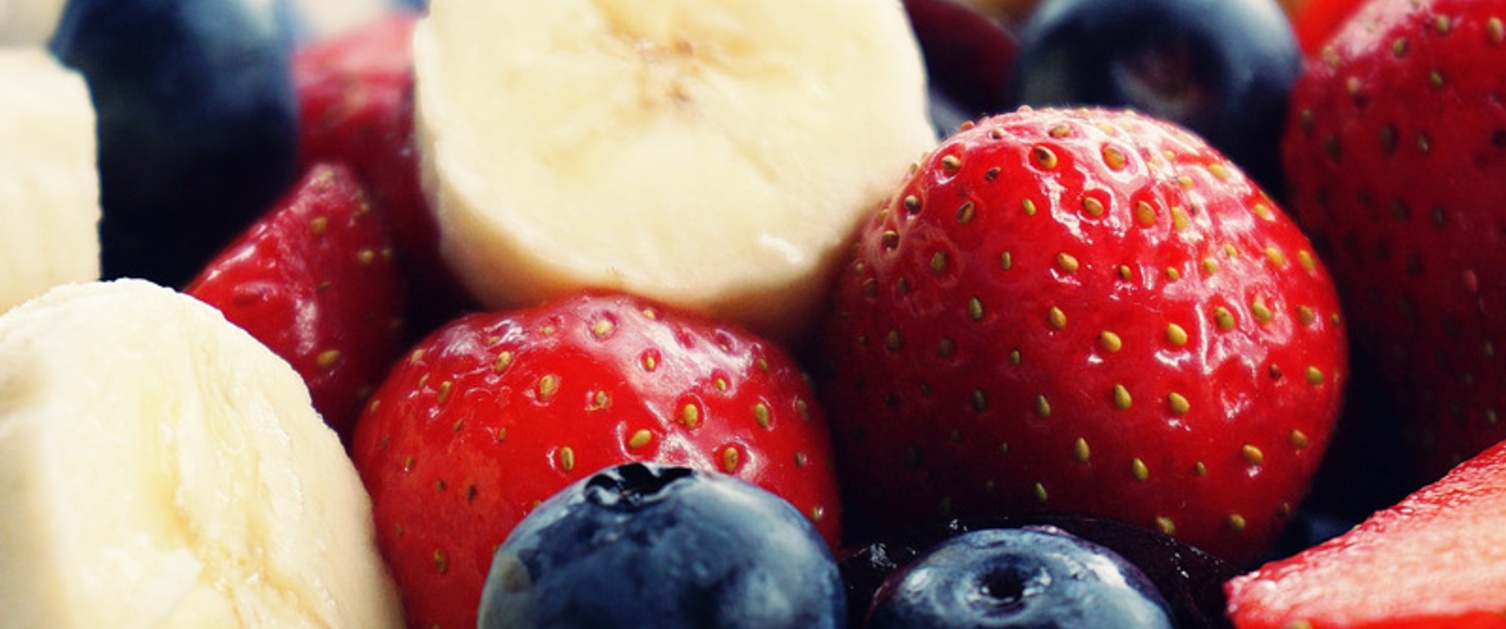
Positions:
(49, 189)
(160, 468)
(713, 154)
(29, 23)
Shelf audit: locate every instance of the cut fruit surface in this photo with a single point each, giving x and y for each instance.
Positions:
(712, 155)
(49, 192)
(28, 23)
(1436, 559)
(180, 478)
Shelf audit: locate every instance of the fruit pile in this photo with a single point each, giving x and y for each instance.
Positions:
(933, 313)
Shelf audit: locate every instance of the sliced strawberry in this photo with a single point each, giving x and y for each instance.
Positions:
(1086, 311)
(1396, 154)
(495, 412)
(1436, 559)
(355, 94)
(315, 281)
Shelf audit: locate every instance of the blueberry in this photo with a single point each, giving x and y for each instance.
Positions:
(197, 122)
(1222, 68)
(1189, 579)
(644, 545)
(1036, 576)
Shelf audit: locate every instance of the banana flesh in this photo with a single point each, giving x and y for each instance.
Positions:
(715, 155)
(49, 188)
(28, 23)
(159, 468)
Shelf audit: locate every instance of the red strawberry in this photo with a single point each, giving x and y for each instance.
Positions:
(1396, 154)
(355, 94)
(1086, 311)
(314, 280)
(1314, 21)
(1436, 559)
(495, 412)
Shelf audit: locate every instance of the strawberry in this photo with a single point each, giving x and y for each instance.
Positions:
(315, 281)
(495, 412)
(1314, 21)
(1396, 152)
(1435, 559)
(1083, 311)
(355, 94)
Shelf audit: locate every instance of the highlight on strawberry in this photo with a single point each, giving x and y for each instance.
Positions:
(1083, 311)
(507, 244)
(1396, 152)
(496, 411)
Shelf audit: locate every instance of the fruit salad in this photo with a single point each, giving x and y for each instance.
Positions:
(687, 313)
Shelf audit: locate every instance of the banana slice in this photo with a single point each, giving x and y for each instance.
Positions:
(160, 468)
(713, 154)
(49, 189)
(29, 23)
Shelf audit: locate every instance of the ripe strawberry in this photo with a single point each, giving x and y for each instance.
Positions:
(355, 94)
(1084, 311)
(1436, 559)
(315, 281)
(495, 412)
(1314, 21)
(1396, 152)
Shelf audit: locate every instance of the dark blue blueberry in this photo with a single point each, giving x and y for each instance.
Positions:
(1223, 68)
(643, 545)
(197, 120)
(1038, 577)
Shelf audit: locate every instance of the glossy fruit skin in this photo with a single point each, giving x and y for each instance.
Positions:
(1395, 154)
(495, 412)
(197, 125)
(1314, 21)
(1083, 311)
(645, 545)
(1188, 579)
(1430, 561)
(317, 282)
(1035, 576)
(355, 101)
(1222, 68)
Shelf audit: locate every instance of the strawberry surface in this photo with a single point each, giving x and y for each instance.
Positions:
(1436, 559)
(1314, 21)
(1396, 153)
(315, 281)
(495, 412)
(355, 97)
(1083, 311)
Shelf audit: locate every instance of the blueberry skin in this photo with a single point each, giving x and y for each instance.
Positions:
(1039, 577)
(1222, 68)
(1189, 579)
(644, 545)
(197, 124)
